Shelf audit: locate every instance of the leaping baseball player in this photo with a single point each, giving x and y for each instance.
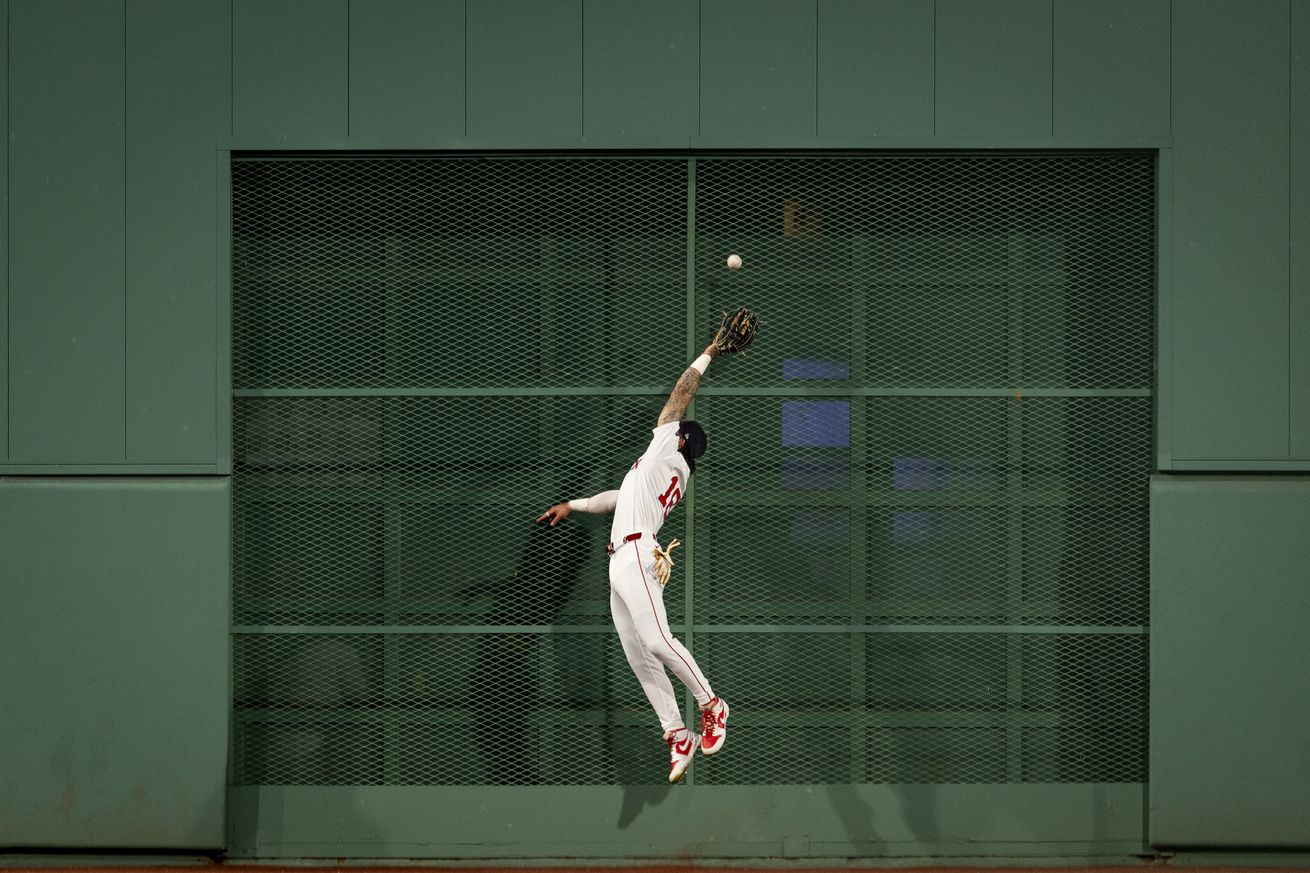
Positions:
(639, 567)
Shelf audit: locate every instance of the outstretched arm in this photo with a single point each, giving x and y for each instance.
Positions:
(602, 502)
(735, 334)
(686, 387)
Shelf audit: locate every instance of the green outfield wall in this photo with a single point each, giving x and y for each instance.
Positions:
(150, 486)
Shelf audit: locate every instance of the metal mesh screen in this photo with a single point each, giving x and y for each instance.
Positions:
(921, 524)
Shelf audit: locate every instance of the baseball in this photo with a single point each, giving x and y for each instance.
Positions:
(734, 261)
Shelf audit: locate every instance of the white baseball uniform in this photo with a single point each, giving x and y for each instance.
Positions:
(651, 489)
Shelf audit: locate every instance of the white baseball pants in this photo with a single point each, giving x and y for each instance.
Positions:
(637, 606)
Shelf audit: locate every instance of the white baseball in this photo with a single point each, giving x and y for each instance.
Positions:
(734, 261)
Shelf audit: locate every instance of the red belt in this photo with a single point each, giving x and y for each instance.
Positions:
(609, 547)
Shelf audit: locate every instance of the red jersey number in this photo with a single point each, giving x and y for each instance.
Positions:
(670, 498)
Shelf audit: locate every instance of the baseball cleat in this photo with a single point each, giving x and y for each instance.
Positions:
(682, 746)
(713, 726)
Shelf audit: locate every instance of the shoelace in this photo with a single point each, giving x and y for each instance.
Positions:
(709, 723)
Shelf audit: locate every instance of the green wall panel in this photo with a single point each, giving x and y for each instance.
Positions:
(114, 639)
(688, 821)
(107, 356)
(1111, 67)
(290, 69)
(875, 68)
(1229, 644)
(407, 68)
(1300, 231)
(179, 105)
(757, 68)
(1230, 231)
(4, 238)
(993, 68)
(66, 239)
(525, 68)
(640, 68)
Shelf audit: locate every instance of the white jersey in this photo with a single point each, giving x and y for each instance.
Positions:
(652, 487)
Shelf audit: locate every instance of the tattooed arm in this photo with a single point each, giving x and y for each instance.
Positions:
(680, 399)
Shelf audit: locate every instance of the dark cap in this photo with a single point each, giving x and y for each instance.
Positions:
(695, 434)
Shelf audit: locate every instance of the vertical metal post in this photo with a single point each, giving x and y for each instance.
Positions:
(689, 559)
(858, 508)
(1016, 264)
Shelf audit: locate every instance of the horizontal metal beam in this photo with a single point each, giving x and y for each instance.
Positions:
(818, 390)
(550, 629)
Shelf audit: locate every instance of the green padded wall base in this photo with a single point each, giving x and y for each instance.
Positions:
(683, 823)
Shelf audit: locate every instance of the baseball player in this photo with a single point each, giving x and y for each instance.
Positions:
(639, 567)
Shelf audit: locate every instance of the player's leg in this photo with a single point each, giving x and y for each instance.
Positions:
(654, 681)
(646, 667)
(644, 600)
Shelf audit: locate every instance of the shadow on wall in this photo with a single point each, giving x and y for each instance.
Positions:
(506, 677)
(504, 680)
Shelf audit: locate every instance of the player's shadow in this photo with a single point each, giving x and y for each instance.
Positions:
(506, 675)
(504, 678)
(634, 765)
(917, 809)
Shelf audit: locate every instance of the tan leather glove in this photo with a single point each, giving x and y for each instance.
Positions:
(663, 563)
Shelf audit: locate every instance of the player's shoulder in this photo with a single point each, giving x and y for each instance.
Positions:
(665, 433)
(664, 439)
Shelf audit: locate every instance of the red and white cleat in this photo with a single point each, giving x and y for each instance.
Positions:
(713, 726)
(682, 746)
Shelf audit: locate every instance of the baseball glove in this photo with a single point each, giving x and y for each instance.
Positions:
(664, 563)
(736, 332)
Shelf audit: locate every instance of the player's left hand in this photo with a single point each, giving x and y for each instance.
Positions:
(556, 514)
(735, 333)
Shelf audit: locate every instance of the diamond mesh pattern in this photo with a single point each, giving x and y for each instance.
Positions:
(376, 510)
(921, 523)
(375, 273)
(463, 709)
(937, 272)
